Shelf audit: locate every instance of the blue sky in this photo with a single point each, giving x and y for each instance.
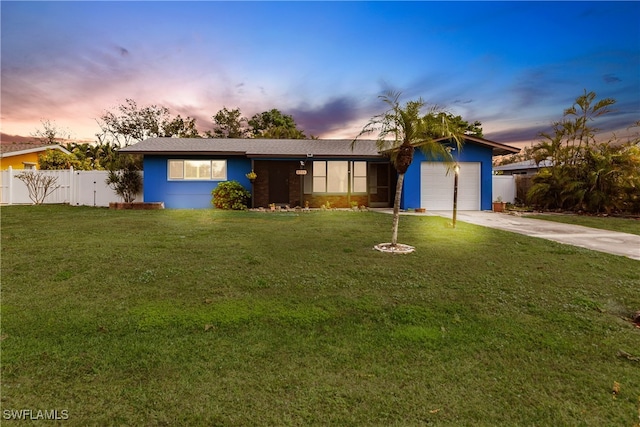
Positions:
(515, 66)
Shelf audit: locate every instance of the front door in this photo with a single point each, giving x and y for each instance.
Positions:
(279, 183)
(379, 185)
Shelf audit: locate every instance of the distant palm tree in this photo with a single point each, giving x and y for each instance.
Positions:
(401, 130)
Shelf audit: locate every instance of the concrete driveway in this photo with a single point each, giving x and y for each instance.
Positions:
(611, 242)
(590, 238)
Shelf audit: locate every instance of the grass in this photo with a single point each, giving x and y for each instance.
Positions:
(623, 225)
(203, 317)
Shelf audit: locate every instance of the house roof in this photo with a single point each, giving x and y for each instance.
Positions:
(295, 148)
(254, 147)
(9, 150)
(524, 165)
(498, 149)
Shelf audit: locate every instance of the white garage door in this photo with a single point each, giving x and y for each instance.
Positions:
(436, 187)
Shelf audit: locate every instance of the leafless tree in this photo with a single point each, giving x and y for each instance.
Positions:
(39, 185)
(51, 133)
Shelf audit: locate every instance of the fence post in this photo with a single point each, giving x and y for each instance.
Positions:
(10, 182)
(71, 186)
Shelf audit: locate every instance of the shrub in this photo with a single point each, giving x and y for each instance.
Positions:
(230, 195)
(57, 160)
(586, 175)
(38, 184)
(126, 182)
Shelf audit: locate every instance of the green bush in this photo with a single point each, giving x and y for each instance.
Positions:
(230, 195)
(127, 181)
(587, 175)
(57, 160)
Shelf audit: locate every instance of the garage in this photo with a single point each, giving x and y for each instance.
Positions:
(436, 186)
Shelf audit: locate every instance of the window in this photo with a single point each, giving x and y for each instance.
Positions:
(212, 170)
(176, 169)
(319, 177)
(359, 174)
(339, 177)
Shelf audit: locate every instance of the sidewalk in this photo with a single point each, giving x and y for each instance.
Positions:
(612, 242)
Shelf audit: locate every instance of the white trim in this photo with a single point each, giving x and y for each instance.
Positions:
(34, 150)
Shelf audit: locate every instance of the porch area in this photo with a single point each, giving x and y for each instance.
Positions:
(313, 183)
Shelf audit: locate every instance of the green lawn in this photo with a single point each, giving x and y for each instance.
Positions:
(624, 225)
(202, 318)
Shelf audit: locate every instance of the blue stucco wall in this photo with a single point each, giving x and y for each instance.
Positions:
(470, 153)
(187, 194)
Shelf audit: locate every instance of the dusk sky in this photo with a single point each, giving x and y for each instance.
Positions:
(514, 66)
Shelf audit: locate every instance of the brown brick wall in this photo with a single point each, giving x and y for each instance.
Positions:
(261, 184)
(341, 201)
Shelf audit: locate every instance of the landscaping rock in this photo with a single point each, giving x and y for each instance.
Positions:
(398, 248)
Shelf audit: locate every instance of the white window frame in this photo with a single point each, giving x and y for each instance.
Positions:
(177, 173)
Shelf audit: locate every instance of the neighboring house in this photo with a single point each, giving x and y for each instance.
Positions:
(182, 172)
(24, 156)
(526, 167)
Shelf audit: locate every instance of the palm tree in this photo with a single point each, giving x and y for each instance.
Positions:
(400, 131)
(571, 179)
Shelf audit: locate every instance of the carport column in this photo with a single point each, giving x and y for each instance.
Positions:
(252, 187)
(301, 174)
(301, 191)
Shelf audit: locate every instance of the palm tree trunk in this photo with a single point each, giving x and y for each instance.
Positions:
(396, 210)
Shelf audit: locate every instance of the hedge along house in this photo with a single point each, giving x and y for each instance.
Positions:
(182, 172)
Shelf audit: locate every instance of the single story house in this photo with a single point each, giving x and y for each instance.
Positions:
(182, 172)
(25, 156)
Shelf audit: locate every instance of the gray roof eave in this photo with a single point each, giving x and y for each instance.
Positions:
(252, 147)
(315, 156)
(184, 153)
(497, 148)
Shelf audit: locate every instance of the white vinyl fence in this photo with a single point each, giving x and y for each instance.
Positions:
(504, 186)
(76, 188)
